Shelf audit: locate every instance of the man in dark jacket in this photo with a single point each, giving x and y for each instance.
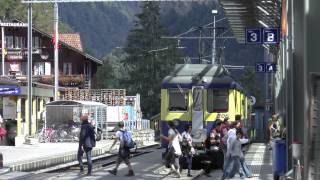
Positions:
(86, 143)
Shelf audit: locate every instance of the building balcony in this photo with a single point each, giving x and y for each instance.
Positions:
(64, 80)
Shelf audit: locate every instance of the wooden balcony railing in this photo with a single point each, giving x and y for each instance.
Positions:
(64, 80)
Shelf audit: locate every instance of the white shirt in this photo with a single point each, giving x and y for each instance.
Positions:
(231, 136)
(187, 136)
(175, 143)
(119, 134)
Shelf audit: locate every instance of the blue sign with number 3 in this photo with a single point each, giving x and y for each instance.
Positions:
(260, 67)
(253, 35)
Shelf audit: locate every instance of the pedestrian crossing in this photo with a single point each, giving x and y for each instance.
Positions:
(258, 159)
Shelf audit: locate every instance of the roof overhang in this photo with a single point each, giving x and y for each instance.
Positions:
(244, 14)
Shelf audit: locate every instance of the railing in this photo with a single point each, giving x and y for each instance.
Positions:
(64, 80)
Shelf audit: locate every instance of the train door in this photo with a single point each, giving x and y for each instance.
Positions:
(197, 107)
(198, 114)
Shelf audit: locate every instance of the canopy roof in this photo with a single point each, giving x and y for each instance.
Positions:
(243, 14)
(74, 103)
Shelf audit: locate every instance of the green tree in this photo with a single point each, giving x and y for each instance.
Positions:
(112, 71)
(248, 81)
(150, 58)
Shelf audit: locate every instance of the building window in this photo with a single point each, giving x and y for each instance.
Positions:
(218, 100)
(36, 42)
(19, 42)
(197, 99)
(67, 68)
(38, 68)
(9, 41)
(178, 100)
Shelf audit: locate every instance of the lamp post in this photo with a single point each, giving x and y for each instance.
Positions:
(214, 12)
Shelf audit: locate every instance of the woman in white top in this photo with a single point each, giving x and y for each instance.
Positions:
(174, 151)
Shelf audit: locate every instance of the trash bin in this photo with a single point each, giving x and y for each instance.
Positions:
(279, 158)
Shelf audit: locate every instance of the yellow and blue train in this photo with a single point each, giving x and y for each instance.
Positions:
(199, 94)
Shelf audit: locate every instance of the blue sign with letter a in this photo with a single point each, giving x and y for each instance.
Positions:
(271, 35)
(271, 67)
(260, 67)
(253, 36)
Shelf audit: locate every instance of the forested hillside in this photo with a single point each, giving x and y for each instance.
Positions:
(42, 14)
(127, 36)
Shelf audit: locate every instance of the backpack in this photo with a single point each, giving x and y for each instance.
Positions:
(97, 135)
(128, 143)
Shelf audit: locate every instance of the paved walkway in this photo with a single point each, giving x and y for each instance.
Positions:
(14, 155)
(147, 166)
(259, 160)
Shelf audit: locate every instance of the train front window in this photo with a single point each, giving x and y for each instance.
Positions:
(178, 100)
(218, 100)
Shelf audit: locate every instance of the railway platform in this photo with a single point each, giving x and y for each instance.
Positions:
(45, 155)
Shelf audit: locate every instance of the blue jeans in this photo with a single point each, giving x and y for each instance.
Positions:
(232, 167)
(88, 155)
(244, 168)
(188, 160)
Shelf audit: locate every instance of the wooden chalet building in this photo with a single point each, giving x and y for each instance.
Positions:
(76, 70)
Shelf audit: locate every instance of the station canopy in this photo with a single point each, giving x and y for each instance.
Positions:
(75, 103)
(243, 14)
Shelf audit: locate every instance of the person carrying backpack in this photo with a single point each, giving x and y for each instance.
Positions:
(86, 143)
(124, 149)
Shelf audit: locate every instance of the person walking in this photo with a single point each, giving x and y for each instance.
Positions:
(124, 152)
(224, 138)
(86, 143)
(187, 149)
(237, 159)
(174, 150)
(231, 136)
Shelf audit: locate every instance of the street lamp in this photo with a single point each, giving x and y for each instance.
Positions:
(214, 12)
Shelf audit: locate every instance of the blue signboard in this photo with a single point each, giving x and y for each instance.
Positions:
(10, 90)
(271, 35)
(253, 36)
(260, 67)
(271, 67)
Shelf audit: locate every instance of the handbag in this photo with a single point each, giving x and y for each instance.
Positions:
(169, 156)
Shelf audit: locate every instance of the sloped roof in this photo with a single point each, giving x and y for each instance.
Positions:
(88, 56)
(72, 39)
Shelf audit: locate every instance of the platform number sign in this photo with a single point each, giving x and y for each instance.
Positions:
(262, 35)
(271, 35)
(271, 67)
(263, 67)
(253, 36)
(260, 67)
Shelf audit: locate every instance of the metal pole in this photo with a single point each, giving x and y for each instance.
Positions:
(199, 48)
(30, 67)
(56, 55)
(2, 43)
(214, 41)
